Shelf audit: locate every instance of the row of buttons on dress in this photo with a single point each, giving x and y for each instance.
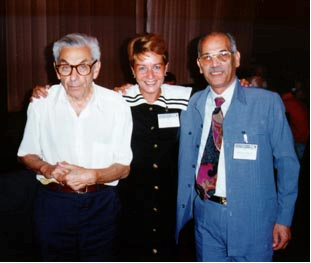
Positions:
(155, 187)
(155, 209)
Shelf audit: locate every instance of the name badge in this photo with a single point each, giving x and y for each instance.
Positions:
(245, 151)
(168, 120)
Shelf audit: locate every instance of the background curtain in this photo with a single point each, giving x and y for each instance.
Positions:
(33, 25)
(275, 33)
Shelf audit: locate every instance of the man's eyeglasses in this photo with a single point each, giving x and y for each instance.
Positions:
(82, 69)
(222, 56)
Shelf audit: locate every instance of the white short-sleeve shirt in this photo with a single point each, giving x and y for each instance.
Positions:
(97, 138)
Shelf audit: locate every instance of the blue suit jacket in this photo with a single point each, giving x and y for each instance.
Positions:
(255, 204)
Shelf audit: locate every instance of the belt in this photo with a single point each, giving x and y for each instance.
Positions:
(66, 189)
(218, 199)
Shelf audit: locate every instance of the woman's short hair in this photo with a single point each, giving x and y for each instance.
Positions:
(147, 42)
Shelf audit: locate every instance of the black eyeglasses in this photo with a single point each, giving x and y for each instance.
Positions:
(82, 69)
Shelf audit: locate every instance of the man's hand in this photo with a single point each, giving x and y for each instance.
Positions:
(39, 91)
(281, 236)
(78, 177)
(245, 83)
(53, 171)
(49, 171)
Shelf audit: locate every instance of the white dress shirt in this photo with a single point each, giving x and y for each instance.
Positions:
(97, 138)
(209, 108)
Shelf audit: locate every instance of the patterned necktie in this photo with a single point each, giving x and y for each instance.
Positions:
(207, 175)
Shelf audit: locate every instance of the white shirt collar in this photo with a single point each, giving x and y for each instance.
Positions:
(227, 94)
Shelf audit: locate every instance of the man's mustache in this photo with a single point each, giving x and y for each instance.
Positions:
(215, 69)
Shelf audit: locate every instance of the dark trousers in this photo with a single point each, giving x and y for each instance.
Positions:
(77, 227)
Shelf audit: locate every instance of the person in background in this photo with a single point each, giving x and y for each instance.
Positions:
(241, 212)
(258, 79)
(77, 140)
(297, 114)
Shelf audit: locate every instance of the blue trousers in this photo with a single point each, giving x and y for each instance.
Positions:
(210, 223)
(77, 227)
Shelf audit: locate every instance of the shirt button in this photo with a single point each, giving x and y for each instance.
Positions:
(152, 128)
(154, 251)
(150, 109)
(154, 230)
(156, 187)
(155, 146)
(155, 166)
(155, 209)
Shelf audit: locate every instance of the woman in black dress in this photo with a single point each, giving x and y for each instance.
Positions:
(149, 194)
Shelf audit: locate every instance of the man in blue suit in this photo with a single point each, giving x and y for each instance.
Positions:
(250, 213)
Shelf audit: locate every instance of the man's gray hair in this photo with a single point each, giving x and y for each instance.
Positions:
(77, 40)
(231, 38)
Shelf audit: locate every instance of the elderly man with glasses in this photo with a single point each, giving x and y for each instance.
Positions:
(77, 140)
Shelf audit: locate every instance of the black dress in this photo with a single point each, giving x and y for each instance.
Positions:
(149, 193)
